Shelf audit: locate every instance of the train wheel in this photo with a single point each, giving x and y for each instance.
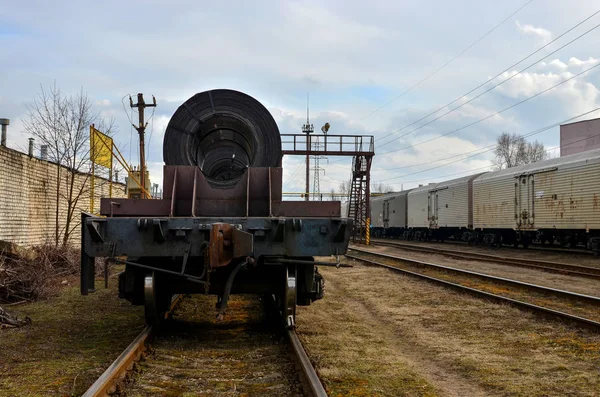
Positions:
(289, 297)
(156, 302)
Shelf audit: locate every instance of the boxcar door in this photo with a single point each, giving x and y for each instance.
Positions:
(524, 201)
(433, 216)
(386, 213)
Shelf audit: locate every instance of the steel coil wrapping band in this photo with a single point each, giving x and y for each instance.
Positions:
(223, 132)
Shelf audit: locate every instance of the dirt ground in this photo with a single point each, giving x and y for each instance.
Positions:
(71, 341)
(581, 285)
(378, 333)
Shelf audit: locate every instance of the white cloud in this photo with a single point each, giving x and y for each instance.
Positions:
(557, 63)
(576, 96)
(542, 34)
(574, 62)
(352, 56)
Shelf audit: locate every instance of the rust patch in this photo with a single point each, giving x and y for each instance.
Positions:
(220, 248)
(560, 211)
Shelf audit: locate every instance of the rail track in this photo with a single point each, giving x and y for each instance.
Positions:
(533, 247)
(547, 266)
(465, 278)
(168, 375)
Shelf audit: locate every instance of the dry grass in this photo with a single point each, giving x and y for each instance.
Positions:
(72, 340)
(35, 273)
(195, 355)
(553, 280)
(557, 302)
(400, 336)
(578, 258)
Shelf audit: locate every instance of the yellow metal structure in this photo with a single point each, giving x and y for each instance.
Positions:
(102, 152)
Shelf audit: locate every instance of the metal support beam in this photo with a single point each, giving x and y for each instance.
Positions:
(141, 128)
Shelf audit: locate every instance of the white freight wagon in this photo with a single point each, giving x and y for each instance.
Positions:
(389, 214)
(451, 207)
(553, 200)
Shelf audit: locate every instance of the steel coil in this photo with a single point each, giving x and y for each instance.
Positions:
(223, 132)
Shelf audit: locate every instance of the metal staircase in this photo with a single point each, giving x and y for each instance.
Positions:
(358, 205)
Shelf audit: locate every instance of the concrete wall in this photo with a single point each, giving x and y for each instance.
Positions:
(579, 137)
(28, 198)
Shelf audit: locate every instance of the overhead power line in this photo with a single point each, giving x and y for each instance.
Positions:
(492, 147)
(448, 62)
(496, 76)
(471, 171)
(496, 113)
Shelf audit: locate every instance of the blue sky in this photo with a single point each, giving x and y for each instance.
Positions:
(352, 56)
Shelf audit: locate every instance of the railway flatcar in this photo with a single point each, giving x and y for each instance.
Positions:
(556, 200)
(222, 227)
(389, 214)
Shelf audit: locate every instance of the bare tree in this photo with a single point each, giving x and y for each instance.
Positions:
(344, 188)
(381, 188)
(513, 150)
(62, 123)
(333, 195)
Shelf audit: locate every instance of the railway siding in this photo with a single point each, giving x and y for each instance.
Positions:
(575, 305)
(529, 274)
(457, 345)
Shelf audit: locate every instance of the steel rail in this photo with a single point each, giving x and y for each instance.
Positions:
(532, 247)
(310, 374)
(579, 321)
(553, 267)
(539, 288)
(106, 384)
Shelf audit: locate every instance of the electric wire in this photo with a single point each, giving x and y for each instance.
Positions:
(293, 176)
(448, 62)
(130, 124)
(487, 81)
(151, 121)
(496, 76)
(489, 166)
(494, 114)
(492, 147)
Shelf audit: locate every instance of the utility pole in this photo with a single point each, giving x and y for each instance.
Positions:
(141, 105)
(307, 129)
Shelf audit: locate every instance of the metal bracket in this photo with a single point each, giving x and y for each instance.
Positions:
(297, 224)
(186, 255)
(181, 232)
(243, 243)
(159, 233)
(280, 230)
(341, 231)
(93, 226)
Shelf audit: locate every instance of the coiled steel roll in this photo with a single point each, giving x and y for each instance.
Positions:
(222, 132)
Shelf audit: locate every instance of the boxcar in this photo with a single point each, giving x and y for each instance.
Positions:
(388, 214)
(418, 213)
(450, 206)
(552, 200)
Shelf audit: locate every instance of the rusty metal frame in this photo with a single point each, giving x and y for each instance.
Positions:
(302, 144)
(189, 193)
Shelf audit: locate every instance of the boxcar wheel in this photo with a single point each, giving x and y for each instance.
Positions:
(156, 301)
(289, 297)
